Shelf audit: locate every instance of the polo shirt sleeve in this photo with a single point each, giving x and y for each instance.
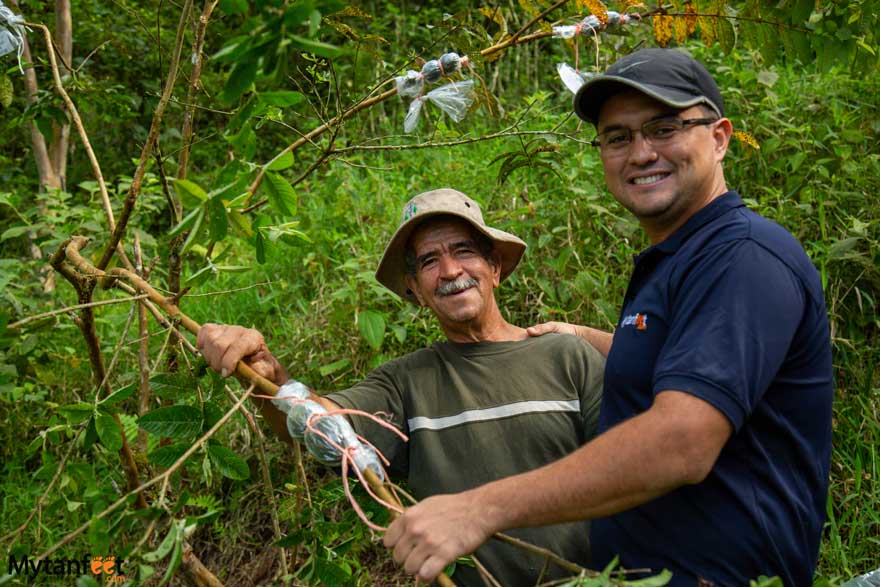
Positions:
(733, 312)
(379, 394)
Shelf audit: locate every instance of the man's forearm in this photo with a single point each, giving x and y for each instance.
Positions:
(598, 338)
(633, 463)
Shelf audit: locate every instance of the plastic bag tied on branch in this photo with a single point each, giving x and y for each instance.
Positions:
(12, 32)
(572, 78)
(329, 437)
(454, 98)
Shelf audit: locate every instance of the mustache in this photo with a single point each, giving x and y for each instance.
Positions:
(453, 287)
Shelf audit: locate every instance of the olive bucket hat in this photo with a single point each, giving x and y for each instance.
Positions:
(443, 202)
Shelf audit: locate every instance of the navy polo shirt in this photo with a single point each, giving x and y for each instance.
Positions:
(729, 309)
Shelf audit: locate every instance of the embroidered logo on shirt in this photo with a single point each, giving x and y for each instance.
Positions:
(640, 321)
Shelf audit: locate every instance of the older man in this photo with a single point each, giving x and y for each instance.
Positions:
(487, 403)
(715, 429)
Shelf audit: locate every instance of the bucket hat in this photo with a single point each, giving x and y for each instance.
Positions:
(442, 202)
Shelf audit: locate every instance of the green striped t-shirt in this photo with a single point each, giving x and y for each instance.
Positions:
(477, 412)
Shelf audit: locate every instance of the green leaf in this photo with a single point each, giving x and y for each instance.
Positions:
(282, 162)
(165, 456)
(281, 99)
(87, 581)
(109, 432)
(228, 463)
(239, 81)
(281, 195)
(172, 421)
(76, 413)
(15, 231)
(119, 395)
(194, 233)
(372, 327)
(317, 47)
(334, 367)
(188, 221)
(234, 6)
(167, 544)
(190, 194)
(399, 331)
(218, 223)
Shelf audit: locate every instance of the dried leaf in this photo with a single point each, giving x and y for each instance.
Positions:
(679, 27)
(691, 18)
(596, 8)
(746, 139)
(706, 25)
(662, 29)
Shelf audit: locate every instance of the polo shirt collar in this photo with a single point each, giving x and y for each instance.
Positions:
(706, 214)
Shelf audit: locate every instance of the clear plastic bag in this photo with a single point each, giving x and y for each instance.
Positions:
(454, 99)
(298, 417)
(338, 429)
(290, 393)
(588, 25)
(12, 31)
(572, 78)
(411, 84)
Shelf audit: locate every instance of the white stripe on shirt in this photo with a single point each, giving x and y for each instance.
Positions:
(498, 412)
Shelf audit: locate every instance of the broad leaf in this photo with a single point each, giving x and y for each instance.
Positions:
(189, 193)
(119, 395)
(372, 327)
(165, 456)
(239, 81)
(172, 421)
(228, 463)
(281, 99)
(282, 162)
(281, 195)
(109, 432)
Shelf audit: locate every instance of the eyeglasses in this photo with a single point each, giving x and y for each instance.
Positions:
(656, 132)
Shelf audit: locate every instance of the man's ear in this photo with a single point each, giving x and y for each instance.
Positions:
(722, 133)
(496, 268)
(413, 287)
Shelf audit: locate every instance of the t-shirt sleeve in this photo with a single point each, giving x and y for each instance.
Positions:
(380, 395)
(590, 390)
(734, 313)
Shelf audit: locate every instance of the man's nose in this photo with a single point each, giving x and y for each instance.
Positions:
(641, 151)
(450, 268)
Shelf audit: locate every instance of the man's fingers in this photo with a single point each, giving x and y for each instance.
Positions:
(544, 328)
(224, 345)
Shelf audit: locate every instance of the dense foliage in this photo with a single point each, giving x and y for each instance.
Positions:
(287, 241)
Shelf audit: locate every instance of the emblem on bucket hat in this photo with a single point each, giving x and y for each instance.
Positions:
(441, 202)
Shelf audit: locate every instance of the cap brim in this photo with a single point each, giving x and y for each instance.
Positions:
(392, 273)
(592, 95)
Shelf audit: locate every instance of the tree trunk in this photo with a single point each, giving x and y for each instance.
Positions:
(61, 133)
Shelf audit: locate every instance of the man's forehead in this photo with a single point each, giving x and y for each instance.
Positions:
(631, 104)
(437, 231)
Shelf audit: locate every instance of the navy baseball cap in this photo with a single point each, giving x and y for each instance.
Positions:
(669, 76)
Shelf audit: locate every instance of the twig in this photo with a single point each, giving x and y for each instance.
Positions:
(195, 73)
(67, 309)
(84, 137)
(497, 135)
(318, 132)
(267, 477)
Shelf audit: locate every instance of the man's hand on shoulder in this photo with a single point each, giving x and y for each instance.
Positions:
(224, 345)
(432, 534)
(599, 339)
